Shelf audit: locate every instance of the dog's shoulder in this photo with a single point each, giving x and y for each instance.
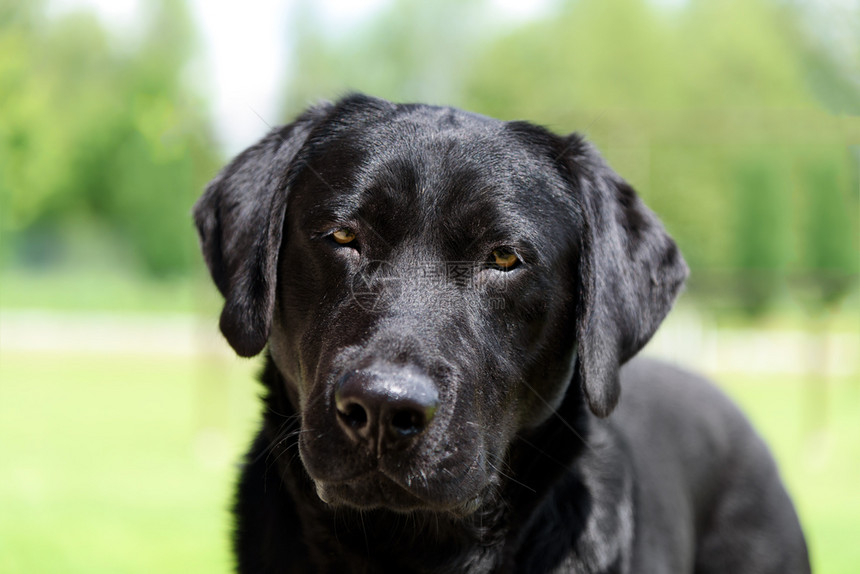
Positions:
(659, 386)
(687, 416)
(703, 470)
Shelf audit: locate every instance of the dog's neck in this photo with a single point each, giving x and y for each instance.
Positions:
(561, 460)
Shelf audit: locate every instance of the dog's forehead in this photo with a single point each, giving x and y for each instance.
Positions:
(434, 156)
(437, 177)
(444, 138)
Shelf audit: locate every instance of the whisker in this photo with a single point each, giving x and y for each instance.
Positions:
(293, 416)
(282, 432)
(364, 531)
(270, 461)
(541, 451)
(554, 412)
(509, 477)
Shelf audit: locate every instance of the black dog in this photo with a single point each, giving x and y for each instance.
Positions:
(448, 300)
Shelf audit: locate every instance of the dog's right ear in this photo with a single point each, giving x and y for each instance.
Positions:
(240, 220)
(630, 274)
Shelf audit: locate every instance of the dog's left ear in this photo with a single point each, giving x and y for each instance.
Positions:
(630, 272)
(240, 220)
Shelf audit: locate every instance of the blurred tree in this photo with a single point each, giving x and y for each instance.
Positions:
(740, 55)
(831, 259)
(99, 138)
(762, 240)
(829, 175)
(590, 55)
(412, 50)
(826, 34)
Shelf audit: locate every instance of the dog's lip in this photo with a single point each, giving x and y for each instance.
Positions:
(371, 489)
(378, 489)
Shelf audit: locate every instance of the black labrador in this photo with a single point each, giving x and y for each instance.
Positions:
(448, 301)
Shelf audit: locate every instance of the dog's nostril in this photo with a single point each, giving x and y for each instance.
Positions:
(353, 414)
(407, 422)
(386, 403)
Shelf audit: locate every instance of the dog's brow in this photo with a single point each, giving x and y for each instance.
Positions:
(357, 216)
(325, 183)
(475, 240)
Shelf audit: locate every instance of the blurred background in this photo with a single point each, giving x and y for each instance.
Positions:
(123, 413)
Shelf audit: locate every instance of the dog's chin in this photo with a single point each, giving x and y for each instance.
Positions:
(375, 490)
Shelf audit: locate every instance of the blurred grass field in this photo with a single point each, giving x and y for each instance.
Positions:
(119, 464)
(125, 464)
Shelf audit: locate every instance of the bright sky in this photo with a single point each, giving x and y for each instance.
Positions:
(245, 55)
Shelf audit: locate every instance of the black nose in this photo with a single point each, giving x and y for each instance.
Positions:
(384, 406)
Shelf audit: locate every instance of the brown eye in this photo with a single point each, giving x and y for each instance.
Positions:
(504, 259)
(343, 236)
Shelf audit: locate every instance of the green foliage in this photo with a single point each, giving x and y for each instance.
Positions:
(830, 228)
(762, 241)
(99, 133)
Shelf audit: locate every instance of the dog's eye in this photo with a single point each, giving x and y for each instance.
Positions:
(343, 236)
(504, 259)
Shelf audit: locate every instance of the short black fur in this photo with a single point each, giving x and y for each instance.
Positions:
(429, 409)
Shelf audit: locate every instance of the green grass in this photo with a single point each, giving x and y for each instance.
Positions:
(119, 464)
(124, 464)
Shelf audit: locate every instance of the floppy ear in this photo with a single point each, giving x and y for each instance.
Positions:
(240, 220)
(630, 273)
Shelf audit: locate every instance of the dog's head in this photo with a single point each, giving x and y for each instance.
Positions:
(430, 282)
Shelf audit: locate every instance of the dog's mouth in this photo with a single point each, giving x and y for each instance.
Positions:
(375, 490)
(432, 489)
(368, 491)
